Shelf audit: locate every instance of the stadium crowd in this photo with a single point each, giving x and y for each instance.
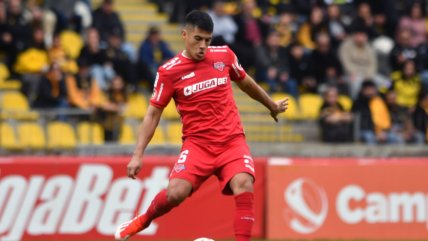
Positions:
(373, 52)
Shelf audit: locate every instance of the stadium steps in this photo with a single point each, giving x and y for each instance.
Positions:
(139, 15)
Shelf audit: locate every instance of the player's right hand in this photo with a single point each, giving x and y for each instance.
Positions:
(134, 167)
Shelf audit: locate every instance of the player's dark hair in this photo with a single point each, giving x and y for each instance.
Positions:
(200, 19)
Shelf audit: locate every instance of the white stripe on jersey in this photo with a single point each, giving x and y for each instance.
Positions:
(160, 92)
(236, 70)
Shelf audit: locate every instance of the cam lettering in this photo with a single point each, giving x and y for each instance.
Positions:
(380, 207)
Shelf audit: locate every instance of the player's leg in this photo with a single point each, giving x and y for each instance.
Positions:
(178, 190)
(187, 175)
(242, 187)
(236, 176)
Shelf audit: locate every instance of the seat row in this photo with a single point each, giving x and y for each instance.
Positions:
(58, 135)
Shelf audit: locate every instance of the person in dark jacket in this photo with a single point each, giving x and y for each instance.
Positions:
(272, 66)
(153, 52)
(336, 124)
(52, 92)
(107, 21)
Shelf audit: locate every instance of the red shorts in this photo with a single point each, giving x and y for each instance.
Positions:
(198, 161)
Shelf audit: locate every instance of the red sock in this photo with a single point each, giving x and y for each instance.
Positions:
(244, 216)
(157, 208)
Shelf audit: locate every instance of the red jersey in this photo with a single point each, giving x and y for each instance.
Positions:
(202, 93)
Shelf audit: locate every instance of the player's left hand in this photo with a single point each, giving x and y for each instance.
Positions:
(280, 107)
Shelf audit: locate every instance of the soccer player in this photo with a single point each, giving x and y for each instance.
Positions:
(199, 81)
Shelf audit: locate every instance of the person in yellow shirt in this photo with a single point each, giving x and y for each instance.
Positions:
(407, 84)
(82, 89)
(310, 29)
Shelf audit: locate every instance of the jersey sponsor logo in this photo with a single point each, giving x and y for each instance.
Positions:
(188, 76)
(219, 66)
(204, 85)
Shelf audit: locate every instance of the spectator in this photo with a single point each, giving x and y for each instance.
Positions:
(107, 21)
(336, 27)
(122, 64)
(7, 44)
(374, 117)
(403, 50)
(364, 17)
(250, 34)
(299, 63)
(52, 92)
(415, 22)
(272, 66)
(224, 26)
(336, 124)
(82, 89)
(304, 7)
(401, 121)
(287, 28)
(422, 63)
(109, 112)
(64, 11)
(311, 28)
(154, 51)
(18, 25)
(358, 58)
(57, 55)
(407, 85)
(325, 63)
(91, 53)
(420, 115)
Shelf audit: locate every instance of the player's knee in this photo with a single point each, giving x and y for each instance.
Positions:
(177, 192)
(241, 183)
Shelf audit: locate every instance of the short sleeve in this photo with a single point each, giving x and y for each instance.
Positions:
(236, 71)
(162, 90)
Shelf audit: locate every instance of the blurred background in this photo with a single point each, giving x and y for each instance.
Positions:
(355, 71)
(347, 161)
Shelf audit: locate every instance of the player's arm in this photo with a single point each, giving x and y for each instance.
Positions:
(251, 88)
(145, 134)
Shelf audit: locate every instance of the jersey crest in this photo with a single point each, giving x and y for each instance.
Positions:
(219, 66)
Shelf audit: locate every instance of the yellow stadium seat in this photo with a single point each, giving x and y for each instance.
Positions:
(14, 105)
(127, 135)
(8, 139)
(292, 112)
(4, 72)
(136, 106)
(31, 136)
(158, 137)
(72, 43)
(310, 105)
(170, 112)
(61, 135)
(346, 102)
(174, 131)
(14, 85)
(90, 133)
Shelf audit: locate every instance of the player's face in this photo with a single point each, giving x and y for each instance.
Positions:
(196, 42)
